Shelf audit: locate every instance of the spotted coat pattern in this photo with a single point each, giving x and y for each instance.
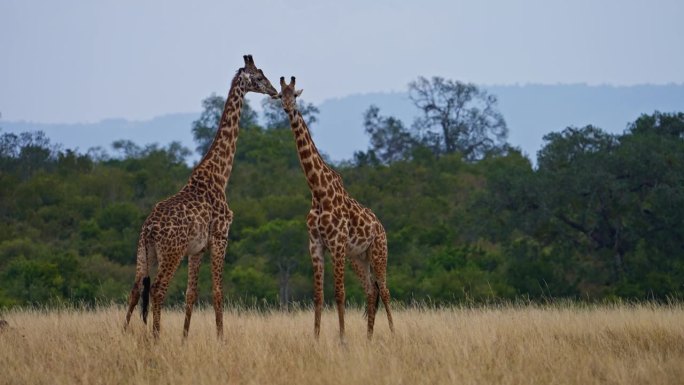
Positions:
(197, 218)
(339, 224)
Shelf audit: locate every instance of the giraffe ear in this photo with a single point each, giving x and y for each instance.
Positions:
(298, 92)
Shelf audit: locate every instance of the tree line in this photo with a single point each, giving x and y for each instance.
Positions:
(468, 217)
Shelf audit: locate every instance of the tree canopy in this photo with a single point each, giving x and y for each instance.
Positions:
(600, 216)
(457, 117)
(276, 118)
(204, 128)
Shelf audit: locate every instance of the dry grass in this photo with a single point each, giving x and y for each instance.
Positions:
(498, 345)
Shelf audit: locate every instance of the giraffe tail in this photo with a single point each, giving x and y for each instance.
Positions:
(377, 297)
(144, 268)
(145, 298)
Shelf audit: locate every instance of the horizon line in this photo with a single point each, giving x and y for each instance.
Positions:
(335, 98)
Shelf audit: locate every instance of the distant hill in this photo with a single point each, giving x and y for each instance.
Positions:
(82, 136)
(531, 111)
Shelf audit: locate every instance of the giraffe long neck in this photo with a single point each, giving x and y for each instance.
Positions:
(318, 173)
(218, 161)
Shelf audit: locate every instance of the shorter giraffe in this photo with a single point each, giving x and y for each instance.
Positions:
(340, 224)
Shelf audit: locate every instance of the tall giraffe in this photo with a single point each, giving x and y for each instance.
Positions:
(338, 223)
(197, 218)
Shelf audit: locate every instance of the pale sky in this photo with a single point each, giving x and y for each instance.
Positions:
(82, 61)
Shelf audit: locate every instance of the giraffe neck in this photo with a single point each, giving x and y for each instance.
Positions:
(217, 163)
(318, 174)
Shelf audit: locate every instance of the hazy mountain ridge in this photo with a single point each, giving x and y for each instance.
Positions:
(82, 136)
(531, 111)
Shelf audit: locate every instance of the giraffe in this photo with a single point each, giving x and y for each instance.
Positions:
(197, 218)
(338, 223)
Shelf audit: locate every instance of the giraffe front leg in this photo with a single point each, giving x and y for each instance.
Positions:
(316, 250)
(378, 255)
(191, 291)
(218, 253)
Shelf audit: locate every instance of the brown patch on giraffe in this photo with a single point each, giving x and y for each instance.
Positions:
(305, 153)
(326, 204)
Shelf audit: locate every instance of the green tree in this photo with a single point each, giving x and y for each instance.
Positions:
(26, 153)
(205, 127)
(276, 118)
(648, 166)
(390, 141)
(284, 245)
(458, 117)
(601, 216)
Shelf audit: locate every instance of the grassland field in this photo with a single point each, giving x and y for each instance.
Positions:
(503, 344)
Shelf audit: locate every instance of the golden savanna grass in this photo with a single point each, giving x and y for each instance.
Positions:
(617, 344)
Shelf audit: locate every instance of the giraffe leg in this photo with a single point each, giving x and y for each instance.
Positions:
(316, 250)
(191, 291)
(141, 271)
(133, 299)
(338, 274)
(378, 254)
(167, 268)
(218, 253)
(362, 269)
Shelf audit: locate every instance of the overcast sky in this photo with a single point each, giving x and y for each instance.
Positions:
(82, 60)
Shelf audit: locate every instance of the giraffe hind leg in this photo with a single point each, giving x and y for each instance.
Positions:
(316, 251)
(191, 291)
(133, 300)
(167, 267)
(141, 278)
(135, 297)
(362, 269)
(338, 276)
(379, 263)
(218, 252)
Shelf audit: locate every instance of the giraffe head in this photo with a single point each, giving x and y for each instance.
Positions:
(254, 79)
(288, 95)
